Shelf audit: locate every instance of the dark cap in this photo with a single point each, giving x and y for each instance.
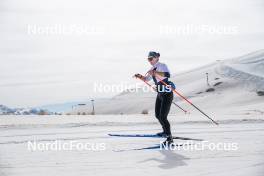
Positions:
(153, 54)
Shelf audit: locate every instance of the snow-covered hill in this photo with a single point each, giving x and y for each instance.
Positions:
(238, 85)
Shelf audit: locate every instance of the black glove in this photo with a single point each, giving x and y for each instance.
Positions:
(139, 76)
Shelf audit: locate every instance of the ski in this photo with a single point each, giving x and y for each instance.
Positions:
(158, 146)
(135, 135)
(152, 136)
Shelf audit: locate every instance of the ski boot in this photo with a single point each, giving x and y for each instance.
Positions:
(162, 134)
(169, 141)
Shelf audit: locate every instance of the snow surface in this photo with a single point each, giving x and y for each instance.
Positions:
(16, 159)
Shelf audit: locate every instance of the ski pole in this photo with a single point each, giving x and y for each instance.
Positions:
(158, 76)
(156, 90)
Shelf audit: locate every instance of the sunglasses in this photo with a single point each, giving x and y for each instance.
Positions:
(150, 58)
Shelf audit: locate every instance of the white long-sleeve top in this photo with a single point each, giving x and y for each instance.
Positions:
(159, 67)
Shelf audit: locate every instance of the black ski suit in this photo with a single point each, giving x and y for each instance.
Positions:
(162, 109)
(164, 98)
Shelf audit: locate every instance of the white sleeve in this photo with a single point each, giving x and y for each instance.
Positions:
(164, 68)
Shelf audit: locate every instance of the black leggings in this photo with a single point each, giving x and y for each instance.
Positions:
(162, 109)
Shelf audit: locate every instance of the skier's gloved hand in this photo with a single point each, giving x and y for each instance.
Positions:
(139, 76)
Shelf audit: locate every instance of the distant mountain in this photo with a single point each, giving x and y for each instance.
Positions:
(68, 106)
(52, 109)
(4, 110)
(60, 107)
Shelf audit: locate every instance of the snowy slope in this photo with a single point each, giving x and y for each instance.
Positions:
(235, 81)
(248, 69)
(17, 160)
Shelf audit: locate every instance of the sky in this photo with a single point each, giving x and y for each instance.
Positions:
(109, 41)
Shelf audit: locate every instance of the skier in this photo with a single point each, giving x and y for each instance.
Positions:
(165, 94)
